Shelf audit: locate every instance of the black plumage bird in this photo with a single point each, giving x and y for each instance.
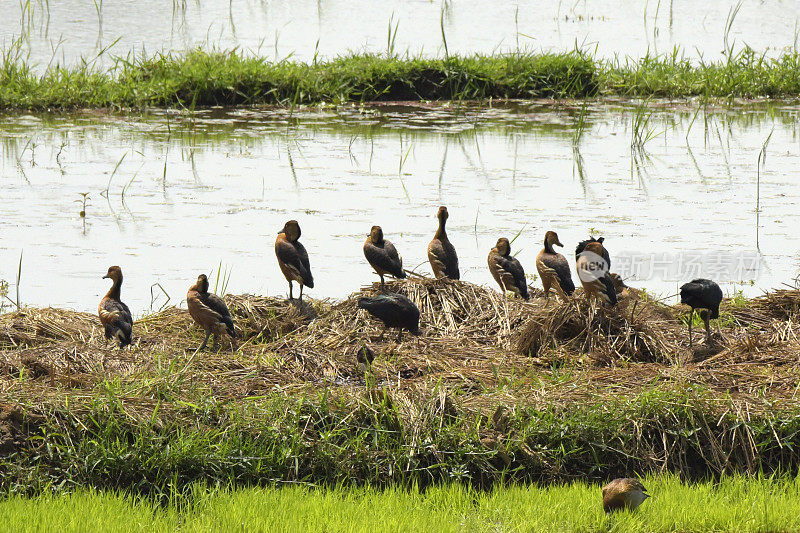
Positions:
(114, 314)
(394, 310)
(702, 294)
(582, 246)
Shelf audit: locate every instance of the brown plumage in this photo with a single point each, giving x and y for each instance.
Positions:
(209, 311)
(623, 493)
(507, 270)
(115, 315)
(553, 268)
(382, 255)
(593, 273)
(442, 254)
(293, 258)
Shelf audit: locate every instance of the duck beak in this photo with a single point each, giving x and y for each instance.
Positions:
(558, 243)
(106, 277)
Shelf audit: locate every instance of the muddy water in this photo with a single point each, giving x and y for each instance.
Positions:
(66, 30)
(189, 195)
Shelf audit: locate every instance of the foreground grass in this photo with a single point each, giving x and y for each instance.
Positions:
(202, 78)
(734, 504)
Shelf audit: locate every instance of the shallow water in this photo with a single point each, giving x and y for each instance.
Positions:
(215, 190)
(67, 30)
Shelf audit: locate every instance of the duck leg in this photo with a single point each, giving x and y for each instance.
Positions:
(383, 284)
(216, 342)
(290, 290)
(707, 321)
(205, 342)
(691, 316)
(301, 292)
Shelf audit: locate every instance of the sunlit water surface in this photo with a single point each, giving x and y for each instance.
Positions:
(186, 196)
(64, 31)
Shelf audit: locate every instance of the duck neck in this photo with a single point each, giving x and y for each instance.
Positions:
(548, 246)
(114, 291)
(441, 233)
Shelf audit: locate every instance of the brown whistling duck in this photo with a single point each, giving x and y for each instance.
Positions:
(507, 270)
(553, 268)
(293, 258)
(623, 493)
(115, 315)
(702, 294)
(382, 255)
(395, 311)
(209, 311)
(593, 273)
(442, 254)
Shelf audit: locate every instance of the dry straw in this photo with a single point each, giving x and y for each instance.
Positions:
(478, 346)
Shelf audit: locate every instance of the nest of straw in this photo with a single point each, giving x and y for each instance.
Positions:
(638, 329)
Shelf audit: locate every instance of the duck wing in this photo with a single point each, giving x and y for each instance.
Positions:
(384, 258)
(556, 265)
(217, 304)
(295, 257)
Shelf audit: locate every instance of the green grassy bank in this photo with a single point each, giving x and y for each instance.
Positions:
(734, 504)
(202, 78)
(160, 446)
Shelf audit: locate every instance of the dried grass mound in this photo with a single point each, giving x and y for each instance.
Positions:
(638, 329)
(462, 324)
(268, 317)
(782, 304)
(32, 327)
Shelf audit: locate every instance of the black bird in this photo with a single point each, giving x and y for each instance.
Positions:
(114, 314)
(293, 258)
(382, 255)
(702, 294)
(395, 311)
(209, 311)
(582, 246)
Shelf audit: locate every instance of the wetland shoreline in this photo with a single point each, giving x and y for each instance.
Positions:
(495, 391)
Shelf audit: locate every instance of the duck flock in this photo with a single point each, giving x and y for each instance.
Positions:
(397, 311)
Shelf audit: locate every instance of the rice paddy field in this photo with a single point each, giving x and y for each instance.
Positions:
(175, 139)
(736, 504)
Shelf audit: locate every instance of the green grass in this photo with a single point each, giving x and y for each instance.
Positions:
(158, 441)
(201, 78)
(206, 78)
(744, 74)
(734, 504)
